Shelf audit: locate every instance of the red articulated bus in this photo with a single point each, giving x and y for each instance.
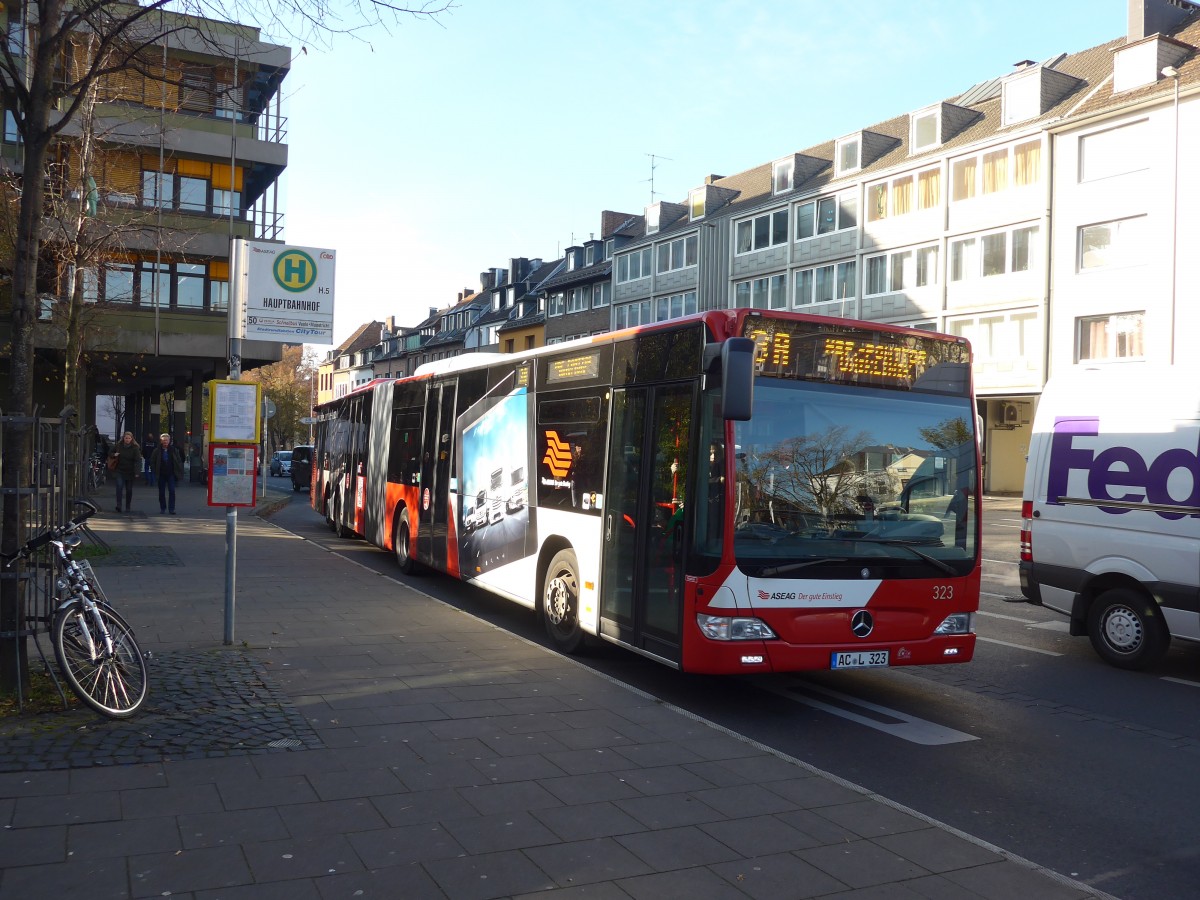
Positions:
(736, 491)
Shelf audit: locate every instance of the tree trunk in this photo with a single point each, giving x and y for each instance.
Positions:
(18, 430)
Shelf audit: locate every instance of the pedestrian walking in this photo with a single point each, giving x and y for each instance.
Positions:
(128, 463)
(166, 462)
(148, 446)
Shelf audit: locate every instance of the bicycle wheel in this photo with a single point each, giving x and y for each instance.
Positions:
(113, 685)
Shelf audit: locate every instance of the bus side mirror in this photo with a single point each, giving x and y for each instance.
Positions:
(737, 379)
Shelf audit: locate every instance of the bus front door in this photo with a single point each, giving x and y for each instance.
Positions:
(437, 448)
(641, 584)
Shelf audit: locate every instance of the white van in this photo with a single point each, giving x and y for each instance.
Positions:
(1110, 532)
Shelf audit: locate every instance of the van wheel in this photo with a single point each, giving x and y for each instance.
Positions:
(402, 544)
(1127, 629)
(560, 602)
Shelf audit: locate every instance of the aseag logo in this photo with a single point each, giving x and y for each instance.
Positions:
(294, 271)
(558, 455)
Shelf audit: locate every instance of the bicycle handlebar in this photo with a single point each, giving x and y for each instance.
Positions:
(51, 534)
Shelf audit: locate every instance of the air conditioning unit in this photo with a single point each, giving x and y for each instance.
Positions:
(1010, 415)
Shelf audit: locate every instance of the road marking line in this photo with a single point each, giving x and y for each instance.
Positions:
(1054, 625)
(1195, 684)
(1017, 646)
(1005, 597)
(1007, 618)
(1003, 525)
(881, 718)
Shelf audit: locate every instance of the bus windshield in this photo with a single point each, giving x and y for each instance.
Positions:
(835, 477)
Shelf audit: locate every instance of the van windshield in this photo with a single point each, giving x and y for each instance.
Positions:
(829, 477)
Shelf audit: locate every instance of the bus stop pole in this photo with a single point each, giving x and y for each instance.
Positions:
(235, 374)
(237, 306)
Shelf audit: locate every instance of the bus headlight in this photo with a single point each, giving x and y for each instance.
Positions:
(726, 628)
(959, 623)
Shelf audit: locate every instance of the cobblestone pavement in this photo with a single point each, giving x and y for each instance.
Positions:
(202, 704)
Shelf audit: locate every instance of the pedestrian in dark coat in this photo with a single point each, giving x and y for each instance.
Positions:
(129, 463)
(166, 462)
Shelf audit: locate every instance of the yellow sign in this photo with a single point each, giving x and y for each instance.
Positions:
(234, 414)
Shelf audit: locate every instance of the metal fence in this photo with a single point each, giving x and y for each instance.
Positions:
(61, 468)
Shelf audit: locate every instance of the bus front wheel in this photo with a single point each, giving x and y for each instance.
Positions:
(1127, 629)
(560, 602)
(402, 544)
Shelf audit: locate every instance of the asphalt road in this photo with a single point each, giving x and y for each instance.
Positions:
(1036, 746)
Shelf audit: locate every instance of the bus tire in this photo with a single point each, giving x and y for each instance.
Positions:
(1127, 629)
(402, 544)
(339, 527)
(560, 602)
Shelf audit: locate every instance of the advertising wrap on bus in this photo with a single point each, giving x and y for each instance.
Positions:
(1111, 509)
(727, 492)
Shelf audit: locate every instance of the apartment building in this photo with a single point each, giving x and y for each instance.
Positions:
(186, 150)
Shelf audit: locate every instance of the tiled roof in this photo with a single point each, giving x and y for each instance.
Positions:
(367, 335)
(526, 321)
(591, 273)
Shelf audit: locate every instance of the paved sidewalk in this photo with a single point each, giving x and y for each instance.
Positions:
(361, 739)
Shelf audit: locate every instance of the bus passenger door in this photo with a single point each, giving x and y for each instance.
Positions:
(437, 447)
(641, 590)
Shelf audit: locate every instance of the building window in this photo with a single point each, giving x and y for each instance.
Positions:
(904, 194)
(847, 154)
(762, 232)
(627, 315)
(901, 270)
(826, 215)
(635, 265)
(677, 254)
(556, 305)
(1108, 244)
(782, 174)
(601, 294)
(997, 170)
(762, 293)
(925, 130)
(997, 253)
(696, 204)
(589, 255)
(11, 134)
(824, 283)
(1111, 337)
(1116, 151)
(579, 299)
(676, 305)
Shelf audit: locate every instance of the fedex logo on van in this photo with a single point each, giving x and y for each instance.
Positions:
(1121, 473)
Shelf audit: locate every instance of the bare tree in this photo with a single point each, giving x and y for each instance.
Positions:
(44, 85)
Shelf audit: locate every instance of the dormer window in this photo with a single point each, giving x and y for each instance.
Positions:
(1021, 98)
(696, 204)
(783, 174)
(848, 154)
(589, 255)
(653, 218)
(926, 129)
(608, 248)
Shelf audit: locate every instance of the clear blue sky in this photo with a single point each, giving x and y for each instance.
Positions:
(504, 129)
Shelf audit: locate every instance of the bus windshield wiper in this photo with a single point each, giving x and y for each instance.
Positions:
(908, 545)
(792, 567)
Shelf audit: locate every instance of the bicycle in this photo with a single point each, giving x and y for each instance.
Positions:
(94, 647)
(97, 473)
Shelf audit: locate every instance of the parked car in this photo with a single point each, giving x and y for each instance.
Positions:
(301, 467)
(281, 463)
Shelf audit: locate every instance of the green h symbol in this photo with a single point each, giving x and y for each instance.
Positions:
(295, 270)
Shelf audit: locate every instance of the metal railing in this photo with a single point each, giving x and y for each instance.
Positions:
(58, 471)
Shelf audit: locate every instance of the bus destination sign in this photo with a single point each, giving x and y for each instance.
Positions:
(839, 353)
